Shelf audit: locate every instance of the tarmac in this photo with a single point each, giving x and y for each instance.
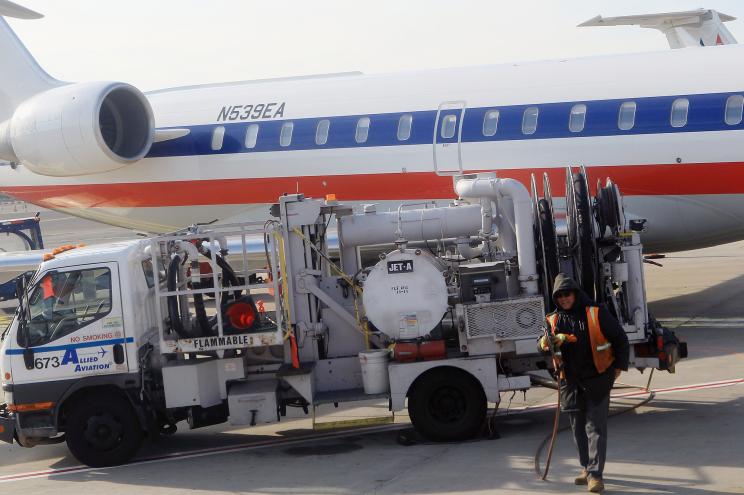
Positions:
(688, 440)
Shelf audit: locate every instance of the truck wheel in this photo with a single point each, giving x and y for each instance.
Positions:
(447, 405)
(103, 430)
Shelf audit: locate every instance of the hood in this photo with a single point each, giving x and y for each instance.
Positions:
(564, 282)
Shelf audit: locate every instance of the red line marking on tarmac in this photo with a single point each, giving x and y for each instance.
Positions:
(283, 442)
(286, 442)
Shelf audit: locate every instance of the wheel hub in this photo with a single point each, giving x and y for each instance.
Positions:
(447, 405)
(103, 431)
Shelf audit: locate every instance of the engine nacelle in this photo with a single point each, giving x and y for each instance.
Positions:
(80, 129)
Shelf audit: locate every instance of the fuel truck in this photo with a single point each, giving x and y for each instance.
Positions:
(433, 309)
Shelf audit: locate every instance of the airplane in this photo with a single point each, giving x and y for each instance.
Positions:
(666, 126)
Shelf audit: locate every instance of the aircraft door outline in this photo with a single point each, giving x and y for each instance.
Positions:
(447, 138)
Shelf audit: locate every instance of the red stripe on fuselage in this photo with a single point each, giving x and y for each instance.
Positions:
(634, 180)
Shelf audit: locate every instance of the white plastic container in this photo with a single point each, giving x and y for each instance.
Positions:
(375, 370)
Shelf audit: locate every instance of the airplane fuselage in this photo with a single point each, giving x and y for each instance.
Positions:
(666, 126)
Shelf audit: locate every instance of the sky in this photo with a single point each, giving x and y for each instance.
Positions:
(164, 43)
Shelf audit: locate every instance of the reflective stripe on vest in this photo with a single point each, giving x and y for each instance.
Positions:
(553, 320)
(602, 353)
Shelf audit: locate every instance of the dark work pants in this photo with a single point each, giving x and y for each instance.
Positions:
(589, 426)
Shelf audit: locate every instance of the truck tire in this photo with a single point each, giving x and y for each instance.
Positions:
(447, 405)
(103, 430)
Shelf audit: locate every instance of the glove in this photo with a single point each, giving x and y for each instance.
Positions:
(562, 338)
(558, 340)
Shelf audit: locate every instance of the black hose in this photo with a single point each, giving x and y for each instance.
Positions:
(228, 274)
(543, 382)
(201, 314)
(174, 312)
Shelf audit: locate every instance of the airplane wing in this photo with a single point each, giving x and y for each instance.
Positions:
(691, 28)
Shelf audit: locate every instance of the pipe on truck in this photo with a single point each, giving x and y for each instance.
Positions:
(494, 188)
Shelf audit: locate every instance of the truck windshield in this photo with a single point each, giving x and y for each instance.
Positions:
(63, 302)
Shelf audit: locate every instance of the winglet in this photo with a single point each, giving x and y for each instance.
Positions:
(10, 9)
(702, 27)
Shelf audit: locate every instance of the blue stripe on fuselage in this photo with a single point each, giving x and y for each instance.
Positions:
(706, 113)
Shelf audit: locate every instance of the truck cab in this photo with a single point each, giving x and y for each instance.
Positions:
(73, 339)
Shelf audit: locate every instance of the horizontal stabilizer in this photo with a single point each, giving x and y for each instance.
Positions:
(10, 9)
(691, 28)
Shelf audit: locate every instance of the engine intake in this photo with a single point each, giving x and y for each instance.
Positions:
(80, 129)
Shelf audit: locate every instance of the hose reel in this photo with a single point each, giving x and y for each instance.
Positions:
(591, 223)
(546, 235)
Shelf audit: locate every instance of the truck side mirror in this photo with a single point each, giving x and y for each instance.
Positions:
(118, 354)
(28, 358)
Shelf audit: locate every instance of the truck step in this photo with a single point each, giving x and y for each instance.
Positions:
(348, 395)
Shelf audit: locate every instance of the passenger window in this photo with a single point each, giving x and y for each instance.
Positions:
(362, 130)
(449, 126)
(321, 132)
(218, 137)
(678, 118)
(404, 127)
(577, 118)
(490, 123)
(734, 109)
(626, 117)
(64, 302)
(529, 120)
(251, 136)
(285, 137)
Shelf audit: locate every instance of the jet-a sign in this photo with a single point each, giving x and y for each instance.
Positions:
(403, 266)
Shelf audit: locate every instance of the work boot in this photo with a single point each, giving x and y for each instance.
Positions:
(581, 479)
(596, 485)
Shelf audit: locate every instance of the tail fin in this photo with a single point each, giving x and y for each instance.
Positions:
(20, 75)
(702, 27)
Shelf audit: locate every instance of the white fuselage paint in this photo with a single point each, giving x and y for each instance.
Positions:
(676, 221)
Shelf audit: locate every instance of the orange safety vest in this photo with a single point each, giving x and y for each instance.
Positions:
(47, 289)
(602, 352)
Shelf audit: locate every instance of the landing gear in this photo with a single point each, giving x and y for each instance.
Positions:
(103, 430)
(447, 405)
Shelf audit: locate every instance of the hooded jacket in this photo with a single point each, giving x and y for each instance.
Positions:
(577, 357)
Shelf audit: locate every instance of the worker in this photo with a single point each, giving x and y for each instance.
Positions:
(593, 351)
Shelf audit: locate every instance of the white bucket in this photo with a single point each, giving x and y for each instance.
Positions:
(375, 370)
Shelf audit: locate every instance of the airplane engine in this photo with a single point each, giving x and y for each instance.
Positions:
(79, 129)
